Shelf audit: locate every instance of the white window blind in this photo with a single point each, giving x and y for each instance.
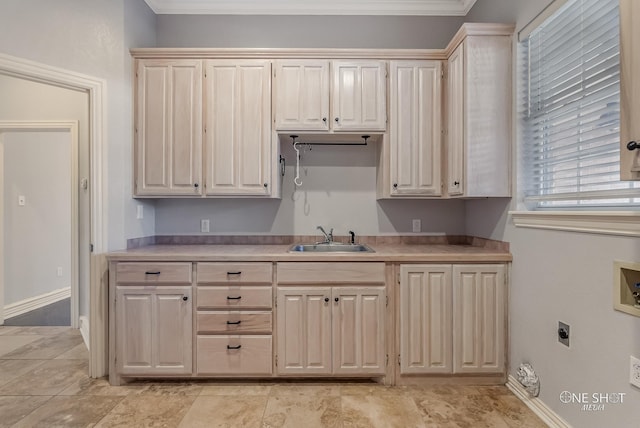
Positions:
(570, 109)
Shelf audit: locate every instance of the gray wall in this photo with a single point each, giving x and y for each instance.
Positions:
(563, 276)
(91, 37)
(306, 31)
(37, 235)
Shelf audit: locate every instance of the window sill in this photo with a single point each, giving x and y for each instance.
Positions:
(624, 223)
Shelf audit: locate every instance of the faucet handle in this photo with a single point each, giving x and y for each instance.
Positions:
(353, 236)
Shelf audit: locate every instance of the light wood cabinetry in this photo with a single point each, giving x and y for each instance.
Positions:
(234, 319)
(452, 319)
(168, 128)
(479, 121)
(356, 94)
(153, 320)
(479, 319)
(325, 326)
(426, 331)
(301, 95)
(238, 152)
(629, 89)
(415, 129)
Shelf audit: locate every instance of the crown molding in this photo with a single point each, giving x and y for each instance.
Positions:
(312, 7)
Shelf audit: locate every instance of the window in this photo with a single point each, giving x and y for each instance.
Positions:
(569, 110)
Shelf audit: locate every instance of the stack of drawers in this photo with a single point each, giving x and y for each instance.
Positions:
(234, 319)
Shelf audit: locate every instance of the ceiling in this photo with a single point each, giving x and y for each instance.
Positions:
(313, 7)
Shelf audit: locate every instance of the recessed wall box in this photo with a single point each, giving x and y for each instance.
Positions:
(626, 287)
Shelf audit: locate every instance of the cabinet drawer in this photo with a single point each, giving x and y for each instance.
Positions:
(153, 273)
(234, 273)
(330, 273)
(247, 355)
(229, 322)
(245, 296)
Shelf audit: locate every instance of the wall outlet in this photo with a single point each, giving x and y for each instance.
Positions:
(22, 200)
(634, 371)
(416, 224)
(140, 212)
(564, 330)
(204, 225)
(59, 271)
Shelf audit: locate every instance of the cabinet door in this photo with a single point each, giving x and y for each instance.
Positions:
(415, 128)
(479, 318)
(425, 319)
(359, 96)
(358, 330)
(238, 127)
(456, 122)
(301, 95)
(168, 127)
(153, 330)
(304, 330)
(629, 88)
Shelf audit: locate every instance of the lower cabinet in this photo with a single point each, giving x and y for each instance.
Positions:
(452, 319)
(331, 330)
(154, 325)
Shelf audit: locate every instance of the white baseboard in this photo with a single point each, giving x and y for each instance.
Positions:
(84, 330)
(538, 407)
(27, 305)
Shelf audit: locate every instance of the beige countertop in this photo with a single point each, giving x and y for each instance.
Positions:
(405, 253)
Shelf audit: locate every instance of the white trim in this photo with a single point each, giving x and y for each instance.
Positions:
(326, 7)
(84, 331)
(536, 405)
(624, 223)
(70, 126)
(37, 302)
(96, 89)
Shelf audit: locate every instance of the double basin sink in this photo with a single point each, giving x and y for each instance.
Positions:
(332, 247)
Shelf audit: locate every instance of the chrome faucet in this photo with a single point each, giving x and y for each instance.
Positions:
(328, 237)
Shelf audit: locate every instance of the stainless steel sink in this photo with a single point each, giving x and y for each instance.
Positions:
(334, 247)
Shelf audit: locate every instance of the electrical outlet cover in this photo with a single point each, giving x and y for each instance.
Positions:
(634, 371)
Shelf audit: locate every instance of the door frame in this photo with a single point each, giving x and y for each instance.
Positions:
(70, 126)
(96, 332)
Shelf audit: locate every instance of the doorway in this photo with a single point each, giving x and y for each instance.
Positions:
(39, 222)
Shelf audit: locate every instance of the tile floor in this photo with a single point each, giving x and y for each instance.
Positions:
(44, 383)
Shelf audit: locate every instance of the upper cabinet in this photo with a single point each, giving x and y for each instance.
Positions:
(301, 95)
(356, 92)
(238, 127)
(168, 127)
(415, 129)
(629, 90)
(479, 100)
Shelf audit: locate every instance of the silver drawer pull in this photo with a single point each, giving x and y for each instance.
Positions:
(233, 322)
(234, 347)
(234, 298)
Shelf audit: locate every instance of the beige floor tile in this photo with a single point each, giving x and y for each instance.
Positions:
(69, 412)
(49, 378)
(464, 411)
(41, 331)
(148, 411)
(225, 411)
(309, 411)
(516, 413)
(167, 387)
(9, 343)
(11, 369)
(380, 411)
(101, 387)
(15, 408)
(319, 389)
(236, 388)
(45, 348)
(79, 352)
(368, 389)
